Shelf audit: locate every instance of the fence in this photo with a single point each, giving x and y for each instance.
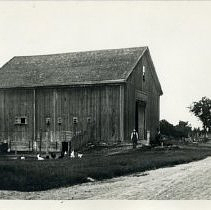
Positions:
(45, 141)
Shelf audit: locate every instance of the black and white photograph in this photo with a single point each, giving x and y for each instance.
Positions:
(105, 100)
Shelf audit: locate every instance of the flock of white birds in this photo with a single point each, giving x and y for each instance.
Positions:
(72, 155)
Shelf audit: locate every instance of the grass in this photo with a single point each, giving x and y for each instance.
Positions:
(33, 175)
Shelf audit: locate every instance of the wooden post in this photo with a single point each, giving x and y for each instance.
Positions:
(121, 105)
(69, 148)
(48, 139)
(74, 134)
(59, 135)
(54, 113)
(40, 140)
(34, 118)
(148, 137)
(29, 146)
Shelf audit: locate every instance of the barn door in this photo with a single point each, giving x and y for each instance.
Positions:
(64, 146)
(140, 119)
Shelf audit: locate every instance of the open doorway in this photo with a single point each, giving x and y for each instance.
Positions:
(140, 121)
(64, 146)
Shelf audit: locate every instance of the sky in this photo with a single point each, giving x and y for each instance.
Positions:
(178, 35)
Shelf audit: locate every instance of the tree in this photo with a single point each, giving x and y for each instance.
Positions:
(202, 110)
(196, 132)
(166, 128)
(183, 129)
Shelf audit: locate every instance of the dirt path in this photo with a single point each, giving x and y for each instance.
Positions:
(187, 181)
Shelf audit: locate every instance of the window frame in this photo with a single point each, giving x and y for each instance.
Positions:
(19, 120)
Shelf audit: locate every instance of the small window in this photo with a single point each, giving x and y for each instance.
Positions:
(59, 120)
(21, 120)
(17, 120)
(88, 119)
(75, 120)
(144, 72)
(47, 120)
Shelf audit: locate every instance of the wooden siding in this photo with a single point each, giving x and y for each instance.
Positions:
(97, 109)
(135, 85)
(152, 108)
(16, 103)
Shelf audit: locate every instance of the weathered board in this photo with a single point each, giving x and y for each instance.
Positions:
(149, 94)
(96, 109)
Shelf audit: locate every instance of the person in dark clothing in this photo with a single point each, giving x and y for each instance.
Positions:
(134, 138)
(158, 138)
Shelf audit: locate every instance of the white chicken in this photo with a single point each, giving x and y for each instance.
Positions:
(80, 155)
(72, 154)
(39, 158)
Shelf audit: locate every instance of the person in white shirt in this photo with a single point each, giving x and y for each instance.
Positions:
(134, 138)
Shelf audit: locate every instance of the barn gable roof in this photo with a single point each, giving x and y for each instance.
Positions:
(91, 67)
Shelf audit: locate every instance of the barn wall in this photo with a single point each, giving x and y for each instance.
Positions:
(129, 109)
(153, 102)
(16, 103)
(135, 82)
(97, 109)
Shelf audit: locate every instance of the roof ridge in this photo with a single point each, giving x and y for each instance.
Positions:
(74, 52)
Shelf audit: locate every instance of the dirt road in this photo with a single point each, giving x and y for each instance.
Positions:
(187, 181)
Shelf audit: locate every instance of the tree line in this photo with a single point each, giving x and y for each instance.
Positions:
(202, 110)
(183, 129)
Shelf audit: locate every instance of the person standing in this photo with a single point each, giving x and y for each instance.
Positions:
(158, 138)
(134, 138)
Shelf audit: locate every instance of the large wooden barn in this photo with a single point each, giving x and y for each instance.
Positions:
(62, 101)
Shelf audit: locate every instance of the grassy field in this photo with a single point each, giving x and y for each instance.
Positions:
(33, 175)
